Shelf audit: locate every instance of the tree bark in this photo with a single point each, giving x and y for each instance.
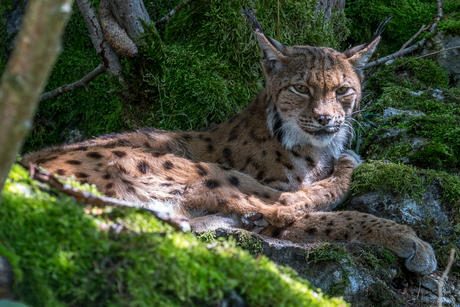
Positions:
(107, 54)
(26, 74)
(127, 14)
(331, 6)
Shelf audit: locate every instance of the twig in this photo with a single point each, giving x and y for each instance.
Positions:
(422, 28)
(413, 47)
(395, 55)
(174, 11)
(439, 14)
(373, 69)
(444, 275)
(429, 54)
(179, 223)
(74, 86)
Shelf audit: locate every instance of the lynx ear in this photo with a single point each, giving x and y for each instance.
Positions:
(359, 55)
(272, 50)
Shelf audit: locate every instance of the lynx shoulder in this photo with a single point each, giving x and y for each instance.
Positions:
(281, 161)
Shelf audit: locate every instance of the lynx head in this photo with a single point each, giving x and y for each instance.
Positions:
(312, 91)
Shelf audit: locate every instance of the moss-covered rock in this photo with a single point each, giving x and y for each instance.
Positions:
(409, 134)
(425, 133)
(67, 254)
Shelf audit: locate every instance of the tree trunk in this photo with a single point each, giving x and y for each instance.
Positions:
(107, 54)
(127, 14)
(26, 74)
(331, 6)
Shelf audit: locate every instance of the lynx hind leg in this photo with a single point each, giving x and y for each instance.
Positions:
(352, 226)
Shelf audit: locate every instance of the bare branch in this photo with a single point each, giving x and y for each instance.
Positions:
(179, 223)
(395, 55)
(103, 49)
(444, 275)
(422, 28)
(415, 46)
(430, 54)
(26, 74)
(174, 11)
(113, 33)
(74, 86)
(439, 14)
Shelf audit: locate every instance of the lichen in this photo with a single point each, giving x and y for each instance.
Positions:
(75, 255)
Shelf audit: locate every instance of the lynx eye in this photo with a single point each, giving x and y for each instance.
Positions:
(301, 88)
(342, 90)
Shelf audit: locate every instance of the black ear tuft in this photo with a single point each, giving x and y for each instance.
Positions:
(253, 19)
(359, 55)
(381, 28)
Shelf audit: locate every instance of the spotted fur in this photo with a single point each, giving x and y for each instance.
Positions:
(282, 158)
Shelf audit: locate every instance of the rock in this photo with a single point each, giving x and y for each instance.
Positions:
(426, 289)
(418, 93)
(386, 137)
(426, 215)
(337, 269)
(389, 112)
(74, 136)
(449, 60)
(437, 94)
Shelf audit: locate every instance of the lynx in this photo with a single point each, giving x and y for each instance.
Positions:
(279, 167)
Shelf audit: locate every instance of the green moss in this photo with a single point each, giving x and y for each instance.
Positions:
(408, 17)
(92, 110)
(403, 180)
(249, 243)
(413, 75)
(427, 141)
(451, 25)
(208, 69)
(204, 66)
(207, 236)
(125, 257)
(328, 252)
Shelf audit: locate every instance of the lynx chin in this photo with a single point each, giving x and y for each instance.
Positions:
(278, 167)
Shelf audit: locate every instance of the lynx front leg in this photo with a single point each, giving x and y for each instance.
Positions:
(326, 194)
(355, 226)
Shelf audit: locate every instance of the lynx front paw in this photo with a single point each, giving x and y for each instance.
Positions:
(284, 215)
(422, 260)
(350, 155)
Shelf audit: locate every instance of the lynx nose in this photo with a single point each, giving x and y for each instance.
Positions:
(324, 119)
